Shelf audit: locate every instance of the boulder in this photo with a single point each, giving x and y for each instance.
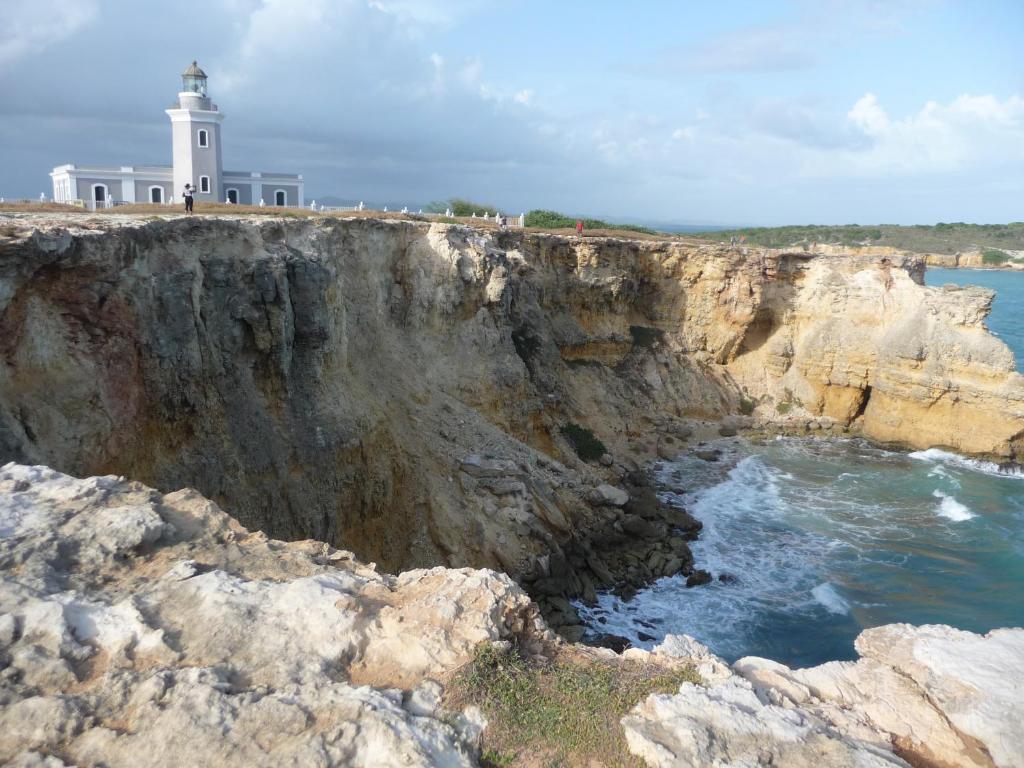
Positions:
(606, 495)
(707, 454)
(645, 529)
(698, 578)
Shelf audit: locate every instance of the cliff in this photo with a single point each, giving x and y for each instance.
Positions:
(143, 628)
(403, 389)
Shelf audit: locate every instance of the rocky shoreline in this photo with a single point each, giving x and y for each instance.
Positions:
(136, 623)
(407, 390)
(430, 398)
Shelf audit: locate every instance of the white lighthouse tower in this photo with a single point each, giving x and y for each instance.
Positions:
(195, 138)
(196, 152)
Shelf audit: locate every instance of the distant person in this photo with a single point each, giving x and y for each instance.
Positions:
(187, 194)
(579, 227)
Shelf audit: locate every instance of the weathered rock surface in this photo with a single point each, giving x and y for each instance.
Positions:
(142, 628)
(399, 389)
(860, 341)
(927, 696)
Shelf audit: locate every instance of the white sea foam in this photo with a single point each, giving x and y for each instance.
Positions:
(977, 465)
(952, 509)
(745, 535)
(832, 601)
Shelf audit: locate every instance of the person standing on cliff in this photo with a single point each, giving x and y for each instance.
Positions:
(579, 227)
(187, 194)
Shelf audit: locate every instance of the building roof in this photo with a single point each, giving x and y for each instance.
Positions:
(193, 71)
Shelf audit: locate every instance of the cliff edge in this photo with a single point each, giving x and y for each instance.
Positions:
(417, 392)
(138, 627)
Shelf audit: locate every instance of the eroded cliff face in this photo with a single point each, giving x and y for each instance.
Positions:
(398, 388)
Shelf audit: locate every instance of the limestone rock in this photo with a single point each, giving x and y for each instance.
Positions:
(726, 724)
(175, 634)
(606, 495)
(930, 695)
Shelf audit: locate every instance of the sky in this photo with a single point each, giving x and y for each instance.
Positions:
(733, 112)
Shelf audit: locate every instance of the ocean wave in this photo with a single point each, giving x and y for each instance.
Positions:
(976, 465)
(951, 509)
(832, 601)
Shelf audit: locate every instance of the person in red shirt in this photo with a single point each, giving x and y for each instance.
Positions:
(579, 228)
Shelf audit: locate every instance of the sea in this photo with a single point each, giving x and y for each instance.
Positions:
(811, 541)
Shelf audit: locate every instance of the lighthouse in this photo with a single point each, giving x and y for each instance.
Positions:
(195, 139)
(196, 157)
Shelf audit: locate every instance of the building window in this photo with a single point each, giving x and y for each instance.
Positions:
(233, 196)
(280, 197)
(204, 184)
(156, 194)
(204, 138)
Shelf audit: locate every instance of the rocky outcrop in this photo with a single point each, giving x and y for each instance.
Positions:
(137, 624)
(862, 343)
(403, 390)
(923, 696)
(142, 627)
(968, 259)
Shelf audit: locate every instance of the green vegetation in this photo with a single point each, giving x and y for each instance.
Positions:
(747, 406)
(643, 336)
(541, 219)
(461, 207)
(994, 256)
(941, 238)
(583, 441)
(559, 713)
(784, 408)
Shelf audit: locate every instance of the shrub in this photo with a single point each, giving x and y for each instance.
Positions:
(565, 709)
(643, 336)
(747, 406)
(583, 441)
(542, 219)
(461, 207)
(784, 408)
(994, 256)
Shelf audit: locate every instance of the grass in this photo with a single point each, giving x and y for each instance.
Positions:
(586, 444)
(563, 712)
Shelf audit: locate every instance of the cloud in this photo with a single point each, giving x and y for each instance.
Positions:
(796, 42)
(754, 49)
(971, 132)
(429, 12)
(804, 123)
(30, 26)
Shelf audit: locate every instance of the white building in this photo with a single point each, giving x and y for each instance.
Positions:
(196, 159)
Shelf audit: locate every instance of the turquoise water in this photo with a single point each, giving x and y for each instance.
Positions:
(1007, 318)
(820, 539)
